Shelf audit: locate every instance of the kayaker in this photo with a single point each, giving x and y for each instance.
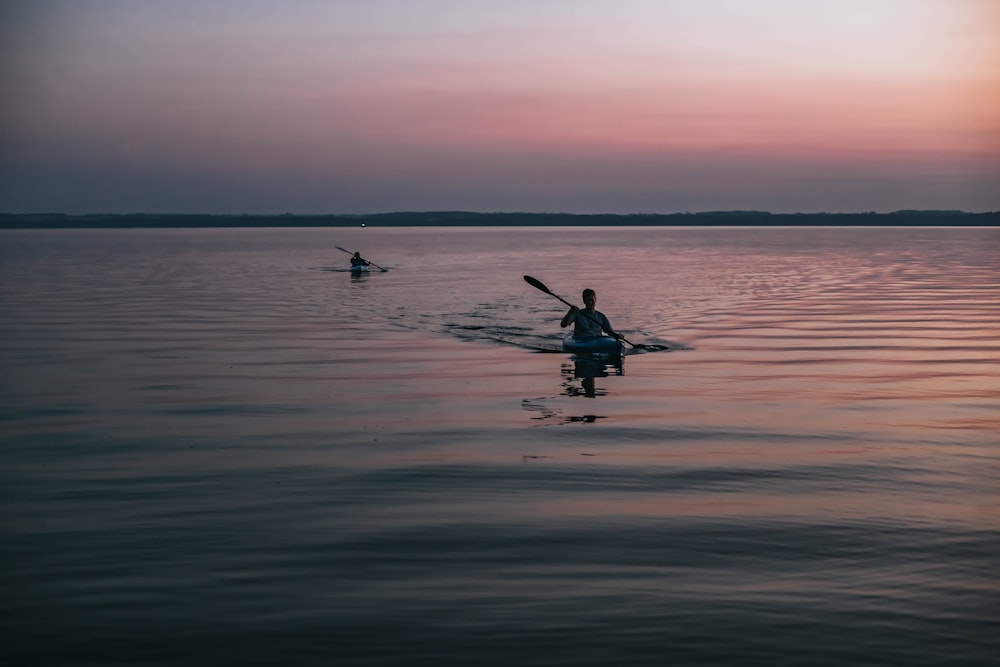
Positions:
(358, 260)
(589, 322)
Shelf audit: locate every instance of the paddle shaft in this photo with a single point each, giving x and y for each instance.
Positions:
(538, 284)
(367, 260)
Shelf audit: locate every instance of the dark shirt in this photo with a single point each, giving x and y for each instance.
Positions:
(585, 326)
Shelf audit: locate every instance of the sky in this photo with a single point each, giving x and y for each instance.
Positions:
(577, 106)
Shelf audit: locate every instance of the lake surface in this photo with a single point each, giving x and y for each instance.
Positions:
(219, 447)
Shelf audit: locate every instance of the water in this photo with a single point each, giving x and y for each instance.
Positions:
(220, 448)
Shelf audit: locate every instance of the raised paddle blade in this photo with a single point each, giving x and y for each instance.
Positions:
(537, 284)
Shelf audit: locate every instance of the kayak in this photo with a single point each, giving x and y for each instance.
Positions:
(360, 268)
(599, 345)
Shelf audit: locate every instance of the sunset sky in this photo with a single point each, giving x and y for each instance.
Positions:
(583, 106)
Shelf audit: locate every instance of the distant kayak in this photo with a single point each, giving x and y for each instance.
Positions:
(600, 345)
(360, 268)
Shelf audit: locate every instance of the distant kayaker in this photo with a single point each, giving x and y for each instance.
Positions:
(358, 260)
(589, 322)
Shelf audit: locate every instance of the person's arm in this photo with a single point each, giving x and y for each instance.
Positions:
(569, 317)
(608, 330)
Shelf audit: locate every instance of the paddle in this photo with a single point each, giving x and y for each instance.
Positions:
(538, 284)
(351, 253)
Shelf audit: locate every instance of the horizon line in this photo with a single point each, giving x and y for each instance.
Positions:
(734, 212)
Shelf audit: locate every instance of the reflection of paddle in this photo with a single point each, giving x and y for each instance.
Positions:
(538, 284)
(352, 254)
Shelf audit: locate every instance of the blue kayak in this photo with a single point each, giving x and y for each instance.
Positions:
(599, 345)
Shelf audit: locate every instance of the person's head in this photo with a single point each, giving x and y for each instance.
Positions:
(357, 254)
(589, 298)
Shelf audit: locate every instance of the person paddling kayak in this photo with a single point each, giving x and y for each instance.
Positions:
(589, 322)
(357, 261)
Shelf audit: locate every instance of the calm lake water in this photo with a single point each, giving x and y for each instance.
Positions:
(218, 447)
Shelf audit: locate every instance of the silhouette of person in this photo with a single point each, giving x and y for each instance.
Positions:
(588, 322)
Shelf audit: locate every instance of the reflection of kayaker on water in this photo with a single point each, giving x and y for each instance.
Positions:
(589, 322)
(358, 261)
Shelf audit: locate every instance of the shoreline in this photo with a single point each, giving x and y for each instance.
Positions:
(472, 219)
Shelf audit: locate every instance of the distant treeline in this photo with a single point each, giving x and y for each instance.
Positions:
(468, 219)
